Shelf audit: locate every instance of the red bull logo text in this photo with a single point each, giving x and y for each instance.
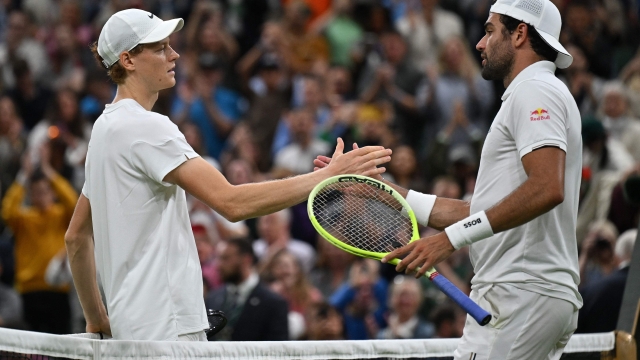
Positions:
(539, 114)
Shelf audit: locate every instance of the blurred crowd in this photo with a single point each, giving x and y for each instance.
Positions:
(263, 87)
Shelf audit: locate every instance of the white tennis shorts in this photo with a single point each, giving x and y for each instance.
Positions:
(525, 325)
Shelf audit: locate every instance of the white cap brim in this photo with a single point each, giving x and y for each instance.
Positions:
(564, 59)
(163, 31)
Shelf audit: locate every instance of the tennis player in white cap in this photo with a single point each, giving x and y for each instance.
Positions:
(521, 230)
(132, 212)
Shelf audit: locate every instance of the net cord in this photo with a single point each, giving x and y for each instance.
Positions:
(84, 348)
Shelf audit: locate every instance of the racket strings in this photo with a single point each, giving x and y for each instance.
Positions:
(363, 216)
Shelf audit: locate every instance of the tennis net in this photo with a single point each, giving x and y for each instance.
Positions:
(16, 344)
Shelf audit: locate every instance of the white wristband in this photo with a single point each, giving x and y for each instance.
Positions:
(467, 231)
(421, 204)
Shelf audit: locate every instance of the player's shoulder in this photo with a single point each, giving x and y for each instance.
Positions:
(138, 124)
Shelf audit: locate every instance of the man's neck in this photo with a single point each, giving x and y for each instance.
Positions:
(136, 91)
(520, 64)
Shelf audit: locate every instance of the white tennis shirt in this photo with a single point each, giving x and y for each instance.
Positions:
(542, 255)
(144, 246)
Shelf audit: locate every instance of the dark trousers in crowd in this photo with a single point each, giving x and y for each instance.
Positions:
(47, 311)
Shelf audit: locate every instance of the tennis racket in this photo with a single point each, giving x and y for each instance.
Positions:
(367, 218)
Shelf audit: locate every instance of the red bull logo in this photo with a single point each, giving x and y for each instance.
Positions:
(539, 114)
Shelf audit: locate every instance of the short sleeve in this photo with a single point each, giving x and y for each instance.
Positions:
(157, 160)
(85, 190)
(538, 117)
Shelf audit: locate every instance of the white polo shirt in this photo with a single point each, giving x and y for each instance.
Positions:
(145, 250)
(542, 255)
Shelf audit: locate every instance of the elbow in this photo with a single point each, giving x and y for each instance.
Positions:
(233, 213)
(556, 198)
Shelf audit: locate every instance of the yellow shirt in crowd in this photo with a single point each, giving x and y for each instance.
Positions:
(39, 235)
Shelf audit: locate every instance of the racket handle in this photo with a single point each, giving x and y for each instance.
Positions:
(473, 309)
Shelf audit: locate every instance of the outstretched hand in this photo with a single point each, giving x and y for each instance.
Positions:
(360, 161)
(422, 254)
(321, 161)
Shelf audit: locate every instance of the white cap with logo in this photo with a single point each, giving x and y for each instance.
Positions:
(127, 28)
(544, 16)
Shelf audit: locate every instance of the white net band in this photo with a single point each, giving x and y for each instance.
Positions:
(23, 342)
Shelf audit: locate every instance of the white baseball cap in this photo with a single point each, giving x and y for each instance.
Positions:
(127, 28)
(544, 16)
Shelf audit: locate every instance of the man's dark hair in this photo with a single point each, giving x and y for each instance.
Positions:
(20, 68)
(538, 45)
(37, 175)
(442, 314)
(244, 247)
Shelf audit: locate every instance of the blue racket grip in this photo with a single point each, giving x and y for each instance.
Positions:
(473, 309)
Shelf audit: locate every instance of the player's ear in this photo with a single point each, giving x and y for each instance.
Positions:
(126, 61)
(520, 35)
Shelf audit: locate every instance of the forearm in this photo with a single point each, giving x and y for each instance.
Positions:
(257, 199)
(527, 202)
(447, 212)
(83, 269)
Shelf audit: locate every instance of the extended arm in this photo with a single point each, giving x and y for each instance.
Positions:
(240, 202)
(542, 191)
(79, 242)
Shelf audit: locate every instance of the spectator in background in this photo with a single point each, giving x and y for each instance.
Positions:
(445, 318)
(274, 230)
(585, 30)
(404, 302)
(396, 80)
(297, 157)
(10, 307)
(304, 48)
(597, 258)
(339, 86)
(324, 323)
(457, 89)
(205, 33)
(332, 268)
(362, 300)
(65, 126)
(585, 87)
(618, 121)
(30, 98)
(403, 167)
(12, 143)
(308, 93)
(39, 232)
(340, 30)
(21, 46)
(603, 298)
(214, 108)
(426, 29)
(604, 160)
(443, 155)
(267, 104)
(623, 212)
(67, 67)
(630, 76)
(254, 313)
(206, 239)
(285, 275)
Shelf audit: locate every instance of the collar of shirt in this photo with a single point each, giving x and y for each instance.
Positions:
(244, 288)
(528, 73)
